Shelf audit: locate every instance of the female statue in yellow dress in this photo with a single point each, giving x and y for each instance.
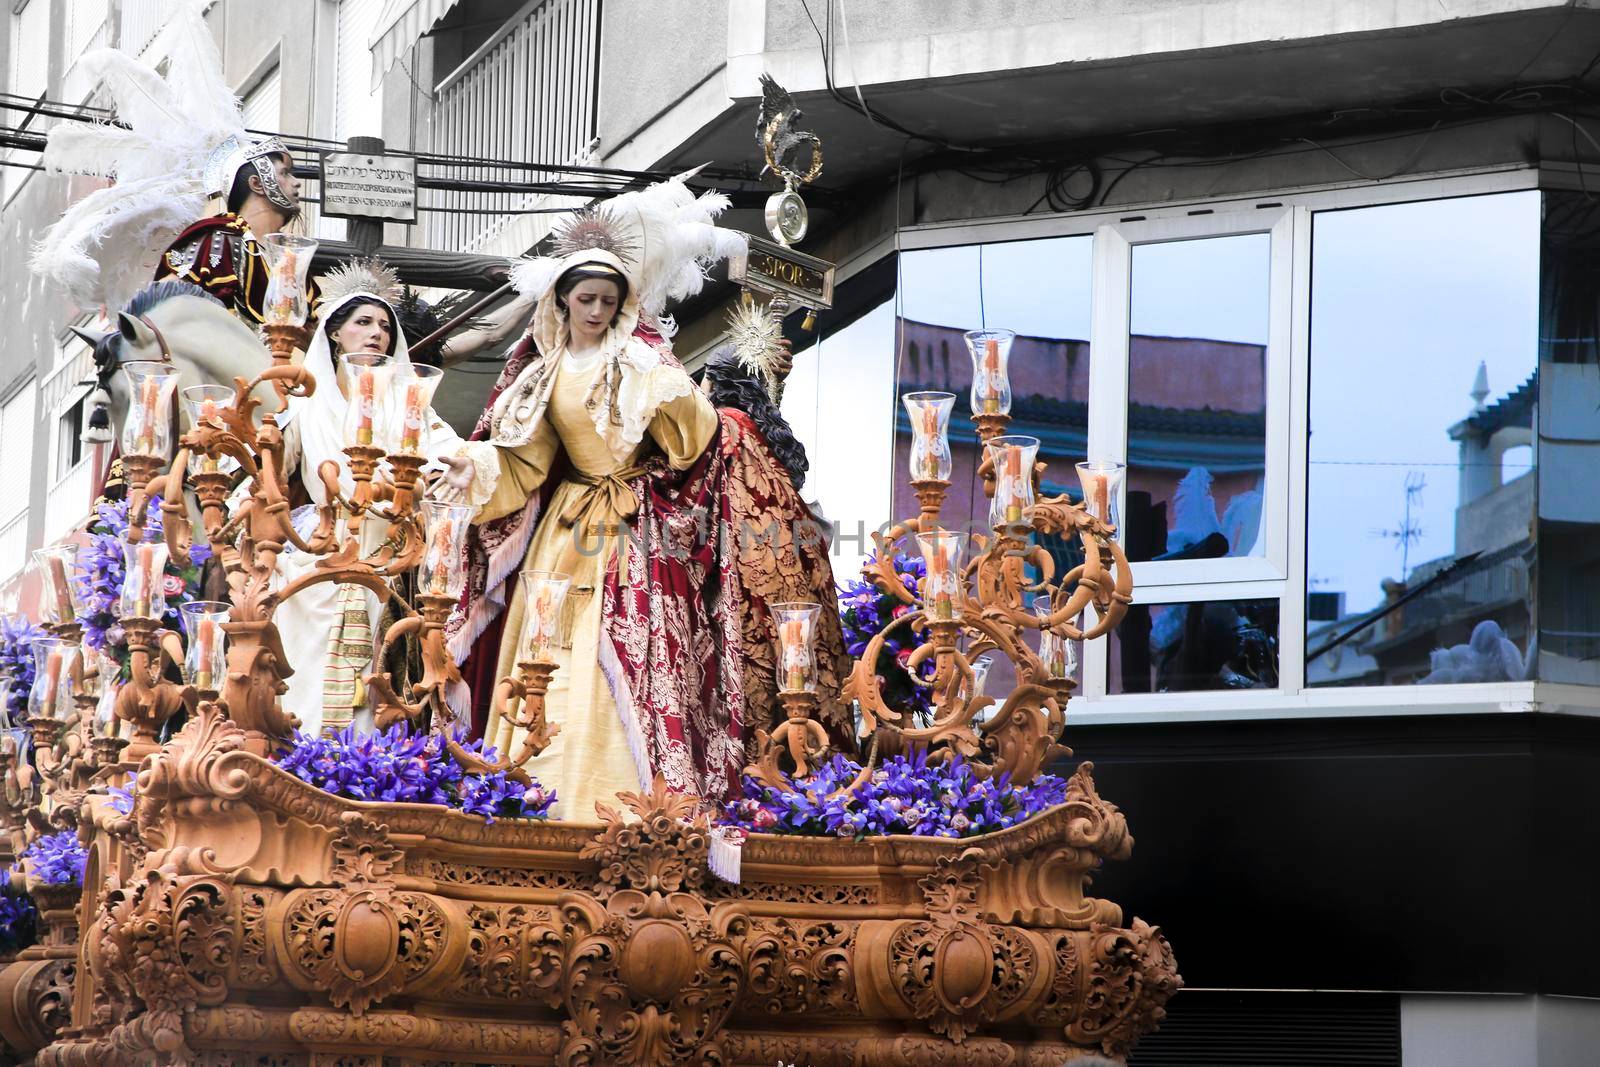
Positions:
(603, 460)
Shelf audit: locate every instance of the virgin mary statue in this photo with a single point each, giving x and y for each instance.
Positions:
(600, 458)
(330, 632)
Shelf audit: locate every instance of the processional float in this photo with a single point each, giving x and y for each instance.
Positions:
(231, 913)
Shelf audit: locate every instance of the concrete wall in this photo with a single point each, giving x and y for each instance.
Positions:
(897, 40)
(652, 54)
(1514, 1031)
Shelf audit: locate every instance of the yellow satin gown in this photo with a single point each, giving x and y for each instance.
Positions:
(589, 758)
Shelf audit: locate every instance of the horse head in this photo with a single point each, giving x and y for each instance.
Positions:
(182, 325)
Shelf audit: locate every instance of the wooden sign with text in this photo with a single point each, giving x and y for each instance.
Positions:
(774, 270)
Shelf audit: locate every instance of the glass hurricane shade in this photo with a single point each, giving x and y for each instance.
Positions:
(930, 435)
(414, 387)
(57, 565)
(1102, 489)
(204, 403)
(105, 712)
(443, 571)
(991, 375)
(1013, 458)
(205, 661)
(797, 662)
(366, 391)
(143, 580)
(53, 663)
(289, 263)
(941, 584)
(543, 593)
(1058, 652)
(147, 430)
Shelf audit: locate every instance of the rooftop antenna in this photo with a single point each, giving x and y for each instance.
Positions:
(1409, 532)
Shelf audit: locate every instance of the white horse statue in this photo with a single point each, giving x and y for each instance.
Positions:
(177, 323)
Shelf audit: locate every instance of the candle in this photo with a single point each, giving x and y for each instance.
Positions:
(544, 622)
(149, 392)
(794, 653)
(991, 374)
(1099, 503)
(205, 638)
(366, 400)
(208, 412)
(282, 308)
(52, 678)
(58, 582)
(937, 573)
(416, 407)
(442, 548)
(1012, 482)
(143, 579)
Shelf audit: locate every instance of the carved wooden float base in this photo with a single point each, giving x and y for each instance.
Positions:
(241, 917)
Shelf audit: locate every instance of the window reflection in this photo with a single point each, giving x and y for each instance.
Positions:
(836, 399)
(1424, 320)
(1568, 450)
(1041, 290)
(1181, 648)
(1197, 365)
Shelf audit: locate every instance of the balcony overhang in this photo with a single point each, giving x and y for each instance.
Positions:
(1120, 76)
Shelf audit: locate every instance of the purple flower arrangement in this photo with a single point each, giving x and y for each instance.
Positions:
(864, 610)
(906, 795)
(99, 577)
(19, 919)
(17, 634)
(402, 766)
(57, 859)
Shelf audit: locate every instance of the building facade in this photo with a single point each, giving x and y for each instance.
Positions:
(1322, 274)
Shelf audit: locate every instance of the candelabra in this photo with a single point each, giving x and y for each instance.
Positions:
(235, 437)
(974, 610)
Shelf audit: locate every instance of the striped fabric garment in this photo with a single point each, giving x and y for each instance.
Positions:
(349, 653)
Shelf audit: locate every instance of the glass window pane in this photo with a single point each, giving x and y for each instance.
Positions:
(1569, 441)
(1424, 328)
(1197, 396)
(1183, 648)
(837, 400)
(1039, 289)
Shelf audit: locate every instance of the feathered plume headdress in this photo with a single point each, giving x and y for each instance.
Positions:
(103, 248)
(372, 276)
(665, 236)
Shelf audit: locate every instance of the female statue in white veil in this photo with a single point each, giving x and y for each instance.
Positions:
(330, 632)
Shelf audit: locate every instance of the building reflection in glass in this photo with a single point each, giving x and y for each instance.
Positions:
(1421, 485)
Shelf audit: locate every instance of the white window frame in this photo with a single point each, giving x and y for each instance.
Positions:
(1287, 215)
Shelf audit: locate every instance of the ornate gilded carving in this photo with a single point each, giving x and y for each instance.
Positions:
(651, 973)
(1131, 977)
(556, 943)
(364, 941)
(813, 970)
(513, 953)
(658, 850)
(164, 946)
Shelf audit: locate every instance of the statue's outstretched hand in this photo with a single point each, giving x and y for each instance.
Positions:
(455, 481)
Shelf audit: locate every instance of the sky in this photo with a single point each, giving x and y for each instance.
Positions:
(1406, 299)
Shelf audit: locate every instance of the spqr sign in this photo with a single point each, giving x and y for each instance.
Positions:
(772, 269)
(356, 185)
